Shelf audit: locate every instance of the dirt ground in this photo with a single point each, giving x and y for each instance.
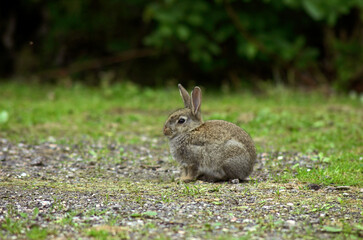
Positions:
(105, 190)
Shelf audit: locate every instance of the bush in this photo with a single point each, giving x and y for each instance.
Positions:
(309, 42)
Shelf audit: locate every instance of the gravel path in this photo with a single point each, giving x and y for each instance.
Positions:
(105, 190)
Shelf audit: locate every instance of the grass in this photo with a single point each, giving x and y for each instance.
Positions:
(17, 225)
(326, 130)
(280, 120)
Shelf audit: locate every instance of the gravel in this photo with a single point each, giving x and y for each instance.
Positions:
(131, 191)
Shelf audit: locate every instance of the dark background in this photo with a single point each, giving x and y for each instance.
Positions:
(309, 43)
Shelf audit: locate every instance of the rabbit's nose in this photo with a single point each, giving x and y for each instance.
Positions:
(167, 131)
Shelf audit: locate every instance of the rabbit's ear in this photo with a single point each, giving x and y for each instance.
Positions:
(196, 102)
(186, 98)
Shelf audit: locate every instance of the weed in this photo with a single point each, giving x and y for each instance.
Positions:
(166, 198)
(216, 188)
(11, 225)
(191, 190)
(11, 210)
(57, 204)
(68, 219)
(107, 199)
(37, 233)
(277, 192)
(95, 212)
(112, 220)
(35, 213)
(325, 207)
(99, 234)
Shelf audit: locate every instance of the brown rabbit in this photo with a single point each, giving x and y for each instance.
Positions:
(214, 150)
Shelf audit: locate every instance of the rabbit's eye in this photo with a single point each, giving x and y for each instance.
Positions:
(181, 120)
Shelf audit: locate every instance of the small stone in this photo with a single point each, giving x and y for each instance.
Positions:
(252, 228)
(290, 204)
(313, 186)
(92, 163)
(45, 203)
(247, 220)
(70, 175)
(38, 161)
(53, 146)
(234, 181)
(290, 223)
(330, 188)
(315, 221)
(2, 158)
(345, 194)
(342, 188)
(116, 207)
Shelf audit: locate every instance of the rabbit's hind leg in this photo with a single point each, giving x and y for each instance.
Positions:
(237, 168)
(212, 175)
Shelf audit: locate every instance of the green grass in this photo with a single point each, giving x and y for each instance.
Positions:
(330, 127)
(18, 225)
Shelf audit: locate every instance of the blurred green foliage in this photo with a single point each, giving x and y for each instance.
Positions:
(299, 42)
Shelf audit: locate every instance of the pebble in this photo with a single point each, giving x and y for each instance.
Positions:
(330, 188)
(38, 161)
(45, 203)
(135, 223)
(251, 229)
(116, 207)
(313, 186)
(53, 146)
(51, 139)
(247, 220)
(290, 223)
(234, 181)
(315, 221)
(342, 188)
(70, 175)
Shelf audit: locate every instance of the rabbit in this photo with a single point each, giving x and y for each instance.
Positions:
(211, 151)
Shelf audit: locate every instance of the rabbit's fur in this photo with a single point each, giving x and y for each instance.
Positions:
(214, 150)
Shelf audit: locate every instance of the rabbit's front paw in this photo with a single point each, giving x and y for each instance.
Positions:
(187, 179)
(188, 173)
